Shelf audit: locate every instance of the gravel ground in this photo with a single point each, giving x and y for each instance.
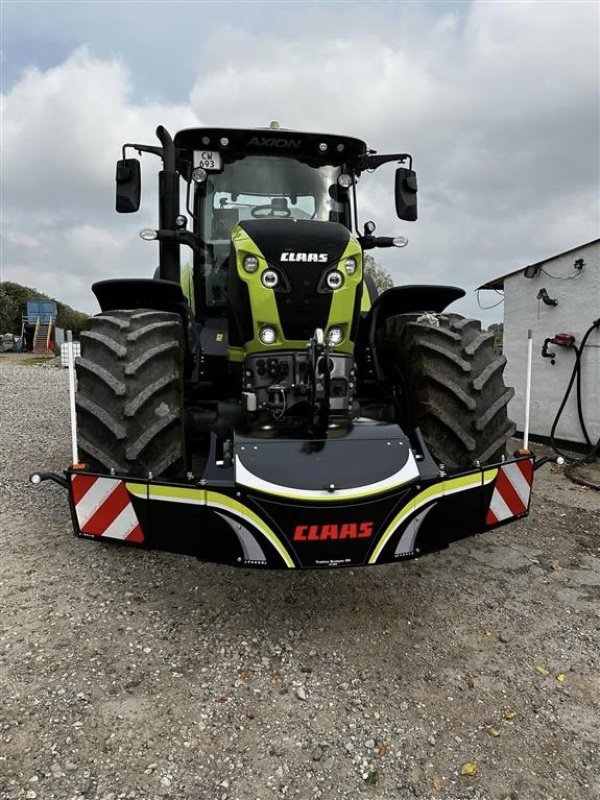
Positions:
(126, 674)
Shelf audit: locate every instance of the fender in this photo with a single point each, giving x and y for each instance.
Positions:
(402, 300)
(127, 293)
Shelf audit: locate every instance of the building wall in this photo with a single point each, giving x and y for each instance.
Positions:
(578, 305)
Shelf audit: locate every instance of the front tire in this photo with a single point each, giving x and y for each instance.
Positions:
(448, 379)
(130, 393)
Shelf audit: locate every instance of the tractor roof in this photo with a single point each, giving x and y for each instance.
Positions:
(238, 142)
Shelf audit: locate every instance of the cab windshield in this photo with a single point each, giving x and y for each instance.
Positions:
(259, 187)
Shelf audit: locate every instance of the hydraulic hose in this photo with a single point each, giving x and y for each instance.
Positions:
(576, 376)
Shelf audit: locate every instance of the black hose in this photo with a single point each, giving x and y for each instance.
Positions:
(576, 375)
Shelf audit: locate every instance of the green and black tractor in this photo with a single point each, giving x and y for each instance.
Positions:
(263, 405)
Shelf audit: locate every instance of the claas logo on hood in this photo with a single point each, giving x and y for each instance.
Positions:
(333, 532)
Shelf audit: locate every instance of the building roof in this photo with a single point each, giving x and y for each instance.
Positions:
(498, 283)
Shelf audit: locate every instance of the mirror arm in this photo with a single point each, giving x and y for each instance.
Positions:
(370, 162)
(143, 148)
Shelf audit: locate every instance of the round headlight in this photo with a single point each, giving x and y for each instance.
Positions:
(323, 147)
(267, 334)
(180, 221)
(345, 181)
(350, 266)
(250, 263)
(148, 234)
(199, 175)
(335, 280)
(224, 141)
(269, 278)
(335, 335)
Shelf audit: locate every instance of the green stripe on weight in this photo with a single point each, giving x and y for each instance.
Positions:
(218, 500)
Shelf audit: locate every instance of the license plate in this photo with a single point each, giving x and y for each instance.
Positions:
(209, 160)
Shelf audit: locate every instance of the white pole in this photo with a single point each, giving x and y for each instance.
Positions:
(74, 450)
(528, 389)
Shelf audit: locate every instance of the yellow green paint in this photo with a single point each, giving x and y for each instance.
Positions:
(438, 490)
(264, 304)
(240, 510)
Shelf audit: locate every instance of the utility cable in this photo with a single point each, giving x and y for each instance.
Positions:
(576, 377)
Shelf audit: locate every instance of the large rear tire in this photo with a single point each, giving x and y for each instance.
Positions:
(449, 381)
(130, 393)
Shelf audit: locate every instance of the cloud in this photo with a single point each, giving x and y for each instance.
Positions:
(498, 102)
(63, 131)
(499, 108)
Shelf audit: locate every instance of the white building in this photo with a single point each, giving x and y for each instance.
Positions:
(558, 295)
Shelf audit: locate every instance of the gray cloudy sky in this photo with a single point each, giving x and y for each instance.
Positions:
(497, 101)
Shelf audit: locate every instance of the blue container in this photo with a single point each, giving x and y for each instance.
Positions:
(46, 310)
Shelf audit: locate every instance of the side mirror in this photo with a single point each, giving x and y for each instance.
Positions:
(406, 194)
(129, 185)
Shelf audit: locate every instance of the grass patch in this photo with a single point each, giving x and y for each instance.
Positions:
(30, 361)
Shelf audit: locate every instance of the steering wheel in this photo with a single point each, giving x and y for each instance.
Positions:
(262, 212)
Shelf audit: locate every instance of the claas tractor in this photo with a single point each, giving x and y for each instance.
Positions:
(263, 405)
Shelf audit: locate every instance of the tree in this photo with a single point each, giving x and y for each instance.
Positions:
(383, 279)
(13, 299)
(497, 328)
(9, 313)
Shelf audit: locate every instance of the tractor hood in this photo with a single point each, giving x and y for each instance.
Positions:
(294, 242)
(303, 254)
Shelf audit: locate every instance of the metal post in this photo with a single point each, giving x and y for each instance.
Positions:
(71, 362)
(528, 389)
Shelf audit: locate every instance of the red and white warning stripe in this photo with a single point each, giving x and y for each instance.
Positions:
(103, 508)
(511, 491)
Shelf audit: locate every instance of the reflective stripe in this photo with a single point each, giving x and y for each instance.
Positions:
(518, 481)
(94, 498)
(499, 508)
(123, 525)
(512, 491)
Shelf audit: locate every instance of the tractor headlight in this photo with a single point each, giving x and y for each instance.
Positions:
(345, 180)
(267, 334)
(335, 279)
(250, 263)
(199, 175)
(350, 266)
(270, 279)
(335, 335)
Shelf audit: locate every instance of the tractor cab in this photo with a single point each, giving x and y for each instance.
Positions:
(276, 283)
